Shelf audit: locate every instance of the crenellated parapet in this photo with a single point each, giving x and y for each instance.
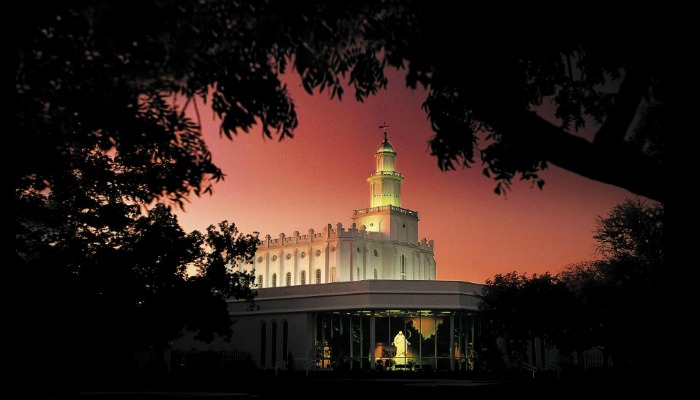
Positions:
(331, 232)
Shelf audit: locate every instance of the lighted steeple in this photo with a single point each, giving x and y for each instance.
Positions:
(385, 182)
(382, 242)
(385, 213)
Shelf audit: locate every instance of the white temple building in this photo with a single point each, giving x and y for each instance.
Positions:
(361, 297)
(381, 243)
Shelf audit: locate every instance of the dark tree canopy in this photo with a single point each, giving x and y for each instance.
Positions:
(518, 308)
(102, 278)
(632, 229)
(84, 80)
(603, 304)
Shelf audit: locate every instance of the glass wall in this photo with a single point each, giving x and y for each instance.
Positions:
(395, 340)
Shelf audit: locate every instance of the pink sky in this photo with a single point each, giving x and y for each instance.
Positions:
(319, 177)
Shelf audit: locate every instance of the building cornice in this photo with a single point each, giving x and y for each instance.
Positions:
(364, 295)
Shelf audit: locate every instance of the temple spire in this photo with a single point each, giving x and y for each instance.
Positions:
(385, 182)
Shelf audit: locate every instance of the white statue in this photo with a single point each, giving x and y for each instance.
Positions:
(400, 342)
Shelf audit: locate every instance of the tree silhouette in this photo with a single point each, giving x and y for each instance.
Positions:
(114, 276)
(83, 80)
(520, 309)
(632, 229)
(605, 304)
(619, 293)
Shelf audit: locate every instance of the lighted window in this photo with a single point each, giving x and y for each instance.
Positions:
(318, 276)
(303, 277)
(274, 280)
(260, 281)
(333, 274)
(289, 279)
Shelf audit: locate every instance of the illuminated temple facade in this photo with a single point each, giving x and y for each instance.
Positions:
(362, 297)
(381, 244)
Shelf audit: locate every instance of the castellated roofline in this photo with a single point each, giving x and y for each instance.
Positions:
(330, 232)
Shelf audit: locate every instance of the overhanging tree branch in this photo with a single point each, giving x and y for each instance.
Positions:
(619, 164)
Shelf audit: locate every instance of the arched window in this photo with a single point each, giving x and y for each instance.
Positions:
(289, 279)
(303, 277)
(333, 278)
(318, 276)
(274, 280)
(260, 281)
(403, 267)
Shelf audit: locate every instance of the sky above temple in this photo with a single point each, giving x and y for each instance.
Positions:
(320, 176)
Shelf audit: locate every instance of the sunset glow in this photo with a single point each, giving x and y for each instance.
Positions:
(320, 177)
